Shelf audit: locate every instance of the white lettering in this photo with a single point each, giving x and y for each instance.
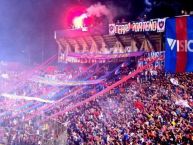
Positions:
(189, 44)
(181, 45)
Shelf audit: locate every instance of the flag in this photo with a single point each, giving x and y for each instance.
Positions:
(179, 44)
(139, 105)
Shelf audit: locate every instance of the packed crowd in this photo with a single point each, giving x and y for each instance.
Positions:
(147, 109)
(11, 118)
(144, 112)
(14, 82)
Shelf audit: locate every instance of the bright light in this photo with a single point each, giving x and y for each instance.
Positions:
(77, 17)
(13, 96)
(78, 22)
(5, 76)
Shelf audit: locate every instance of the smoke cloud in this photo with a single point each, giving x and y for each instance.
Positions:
(109, 10)
(148, 5)
(147, 2)
(98, 10)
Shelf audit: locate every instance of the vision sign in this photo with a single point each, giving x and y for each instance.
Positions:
(181, 45)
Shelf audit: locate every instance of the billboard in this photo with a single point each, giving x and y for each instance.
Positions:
(156, 25)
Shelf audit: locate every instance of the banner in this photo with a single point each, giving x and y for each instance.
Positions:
(16, 97)
(56, 82)
(156, 25)
(98, 58)
(179, 44)
(148, 56)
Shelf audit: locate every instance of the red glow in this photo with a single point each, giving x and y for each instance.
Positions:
(74, 12)
(71, 13)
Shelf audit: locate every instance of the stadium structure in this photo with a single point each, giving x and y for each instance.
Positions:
(109, 87)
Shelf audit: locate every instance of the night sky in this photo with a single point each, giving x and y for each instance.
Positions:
(27, 26)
